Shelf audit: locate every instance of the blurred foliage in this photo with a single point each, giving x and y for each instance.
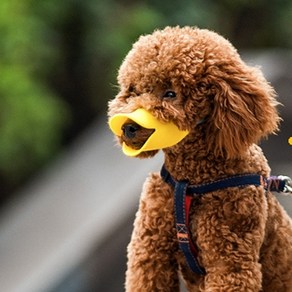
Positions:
(59, 59)
(31, 116)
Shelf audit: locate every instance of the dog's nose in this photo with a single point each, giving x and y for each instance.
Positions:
(130, 129)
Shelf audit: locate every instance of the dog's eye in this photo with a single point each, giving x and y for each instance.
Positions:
(169, 94)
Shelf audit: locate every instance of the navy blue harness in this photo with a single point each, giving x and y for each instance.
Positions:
(184, 193)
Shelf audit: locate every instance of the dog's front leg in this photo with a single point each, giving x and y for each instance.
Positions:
(231, 238)
(151, 252)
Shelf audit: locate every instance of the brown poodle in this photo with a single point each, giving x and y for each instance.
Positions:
(195, 79)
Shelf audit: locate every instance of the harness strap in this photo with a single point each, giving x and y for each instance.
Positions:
(182, 206)
(184, 193)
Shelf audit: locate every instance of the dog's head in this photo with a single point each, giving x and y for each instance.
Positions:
(194, 81)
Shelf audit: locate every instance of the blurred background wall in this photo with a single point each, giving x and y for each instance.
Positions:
(58, 62)
(58, 65)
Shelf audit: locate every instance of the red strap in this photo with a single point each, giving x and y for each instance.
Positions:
(188, 203)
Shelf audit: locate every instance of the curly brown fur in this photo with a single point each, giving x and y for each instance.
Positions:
(243, 235)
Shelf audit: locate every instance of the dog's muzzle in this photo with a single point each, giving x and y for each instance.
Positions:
(163, 134)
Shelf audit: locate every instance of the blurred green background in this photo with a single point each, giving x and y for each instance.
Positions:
(58, 62)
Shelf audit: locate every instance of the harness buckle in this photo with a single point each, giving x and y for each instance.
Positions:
(288, 184)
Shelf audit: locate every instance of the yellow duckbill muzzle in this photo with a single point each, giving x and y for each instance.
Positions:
(164, 135)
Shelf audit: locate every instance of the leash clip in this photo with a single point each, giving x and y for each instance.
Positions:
(288, 183)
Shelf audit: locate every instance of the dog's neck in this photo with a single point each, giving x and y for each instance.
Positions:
(190, 160)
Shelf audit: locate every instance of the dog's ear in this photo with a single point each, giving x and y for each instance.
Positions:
(244, 111)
